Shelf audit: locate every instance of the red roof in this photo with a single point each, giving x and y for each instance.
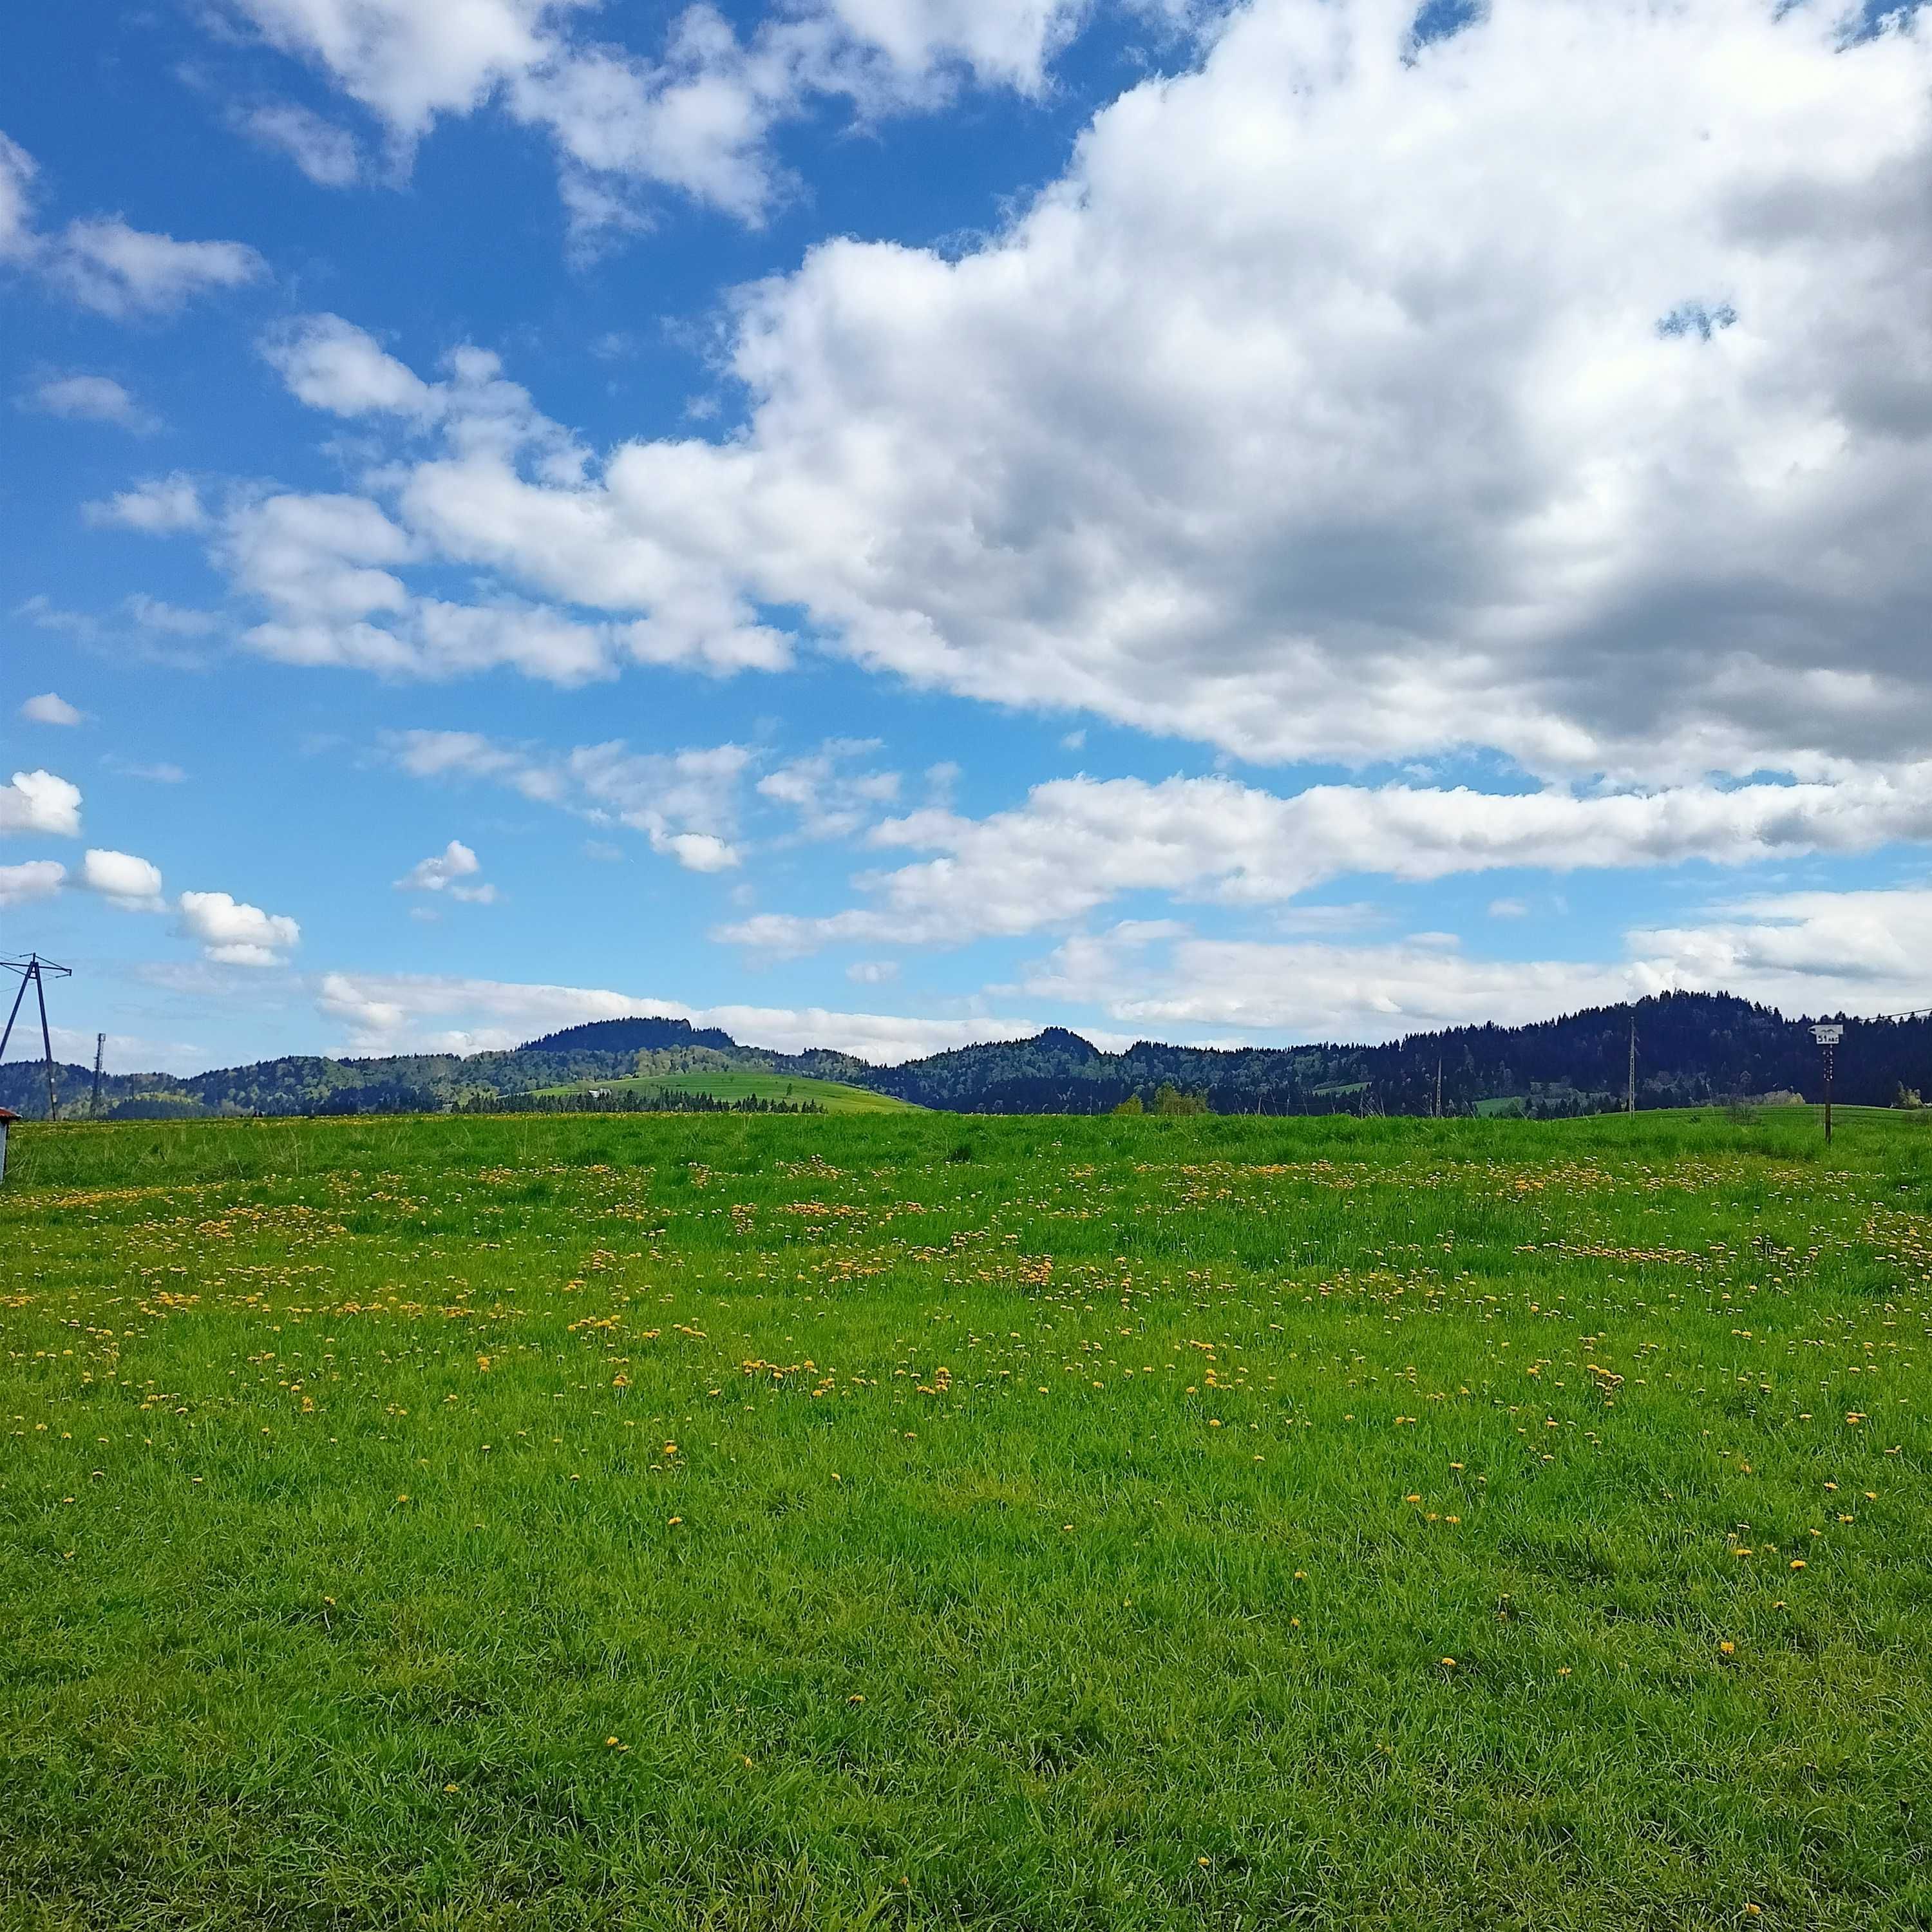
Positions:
(5, 1117)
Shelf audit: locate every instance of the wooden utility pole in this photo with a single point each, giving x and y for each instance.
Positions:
(100, 1053)
(35, 968)
(1630, 1093)
(1827, 1038)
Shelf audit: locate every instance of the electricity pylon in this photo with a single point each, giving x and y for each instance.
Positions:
(35, 969)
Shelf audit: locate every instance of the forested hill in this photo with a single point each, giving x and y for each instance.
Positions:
(1691, 1048)
(413, 1083)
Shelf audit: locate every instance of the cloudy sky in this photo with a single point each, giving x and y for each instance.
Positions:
(886, 523)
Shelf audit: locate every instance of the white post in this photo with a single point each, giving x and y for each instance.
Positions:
(3, 1150)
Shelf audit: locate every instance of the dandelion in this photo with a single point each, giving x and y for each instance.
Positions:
(673, 1521)
(1727, 1649)
(1798, 1563)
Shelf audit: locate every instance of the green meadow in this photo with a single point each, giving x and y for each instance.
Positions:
(835, 1096)
(905, 1521)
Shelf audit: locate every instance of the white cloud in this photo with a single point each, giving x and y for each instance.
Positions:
(331, 365)
(1154, 976)
(84, 398)
(392, 1013)
(446, 872)
(233, 934)
(37, 879)
(134, 884)
(297, 553)
(38, 801)
(696, 117)
(1077, 843)
(831, 801)
(685, 802)
(160, 506)
(151, 614)
(1805, 951)
(50, 708)
(1802, 952)
(161, 773)
(1399, 452)
(17, 169)
(872, 972)
(1509, 909)
(104, 264)
(328, 154)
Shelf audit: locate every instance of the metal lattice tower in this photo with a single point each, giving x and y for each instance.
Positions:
(35, 970)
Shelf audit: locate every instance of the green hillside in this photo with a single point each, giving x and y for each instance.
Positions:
(835, 1096)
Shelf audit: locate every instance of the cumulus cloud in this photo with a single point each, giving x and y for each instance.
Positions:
(161, 506)
(231, 933)
(105, 264)
(1815, 952)
(36, 879)
(392, 1013)
(331, 568)
(685, 802)
(1586, 422)
(1155, 976)
(1077, 843)
(39, 802)
(331, 365)
(134, 884)
(831, 801)
(696, 116)
(84, 398)
(1802, 952)
(50, 708)
(448, 871)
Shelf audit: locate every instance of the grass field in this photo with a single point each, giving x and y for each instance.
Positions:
(834, 1096)
(911, 1521)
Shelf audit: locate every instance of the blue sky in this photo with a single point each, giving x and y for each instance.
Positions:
(883, 523)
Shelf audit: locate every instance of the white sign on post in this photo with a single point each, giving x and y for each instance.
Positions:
(1828, 1035)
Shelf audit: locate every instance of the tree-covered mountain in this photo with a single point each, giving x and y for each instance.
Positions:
(412, 1083)
(1691, 1048)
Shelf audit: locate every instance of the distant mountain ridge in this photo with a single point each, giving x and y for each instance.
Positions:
(630, 1036)
(1691, 1048)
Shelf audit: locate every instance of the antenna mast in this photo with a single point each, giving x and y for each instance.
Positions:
(35, 968)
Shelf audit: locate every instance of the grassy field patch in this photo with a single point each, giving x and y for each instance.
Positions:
(834, 1096)
(726, 1522)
